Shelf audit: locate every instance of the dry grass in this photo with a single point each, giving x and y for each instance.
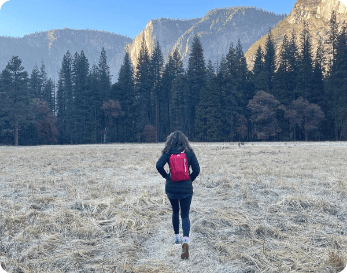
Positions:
(261, 207)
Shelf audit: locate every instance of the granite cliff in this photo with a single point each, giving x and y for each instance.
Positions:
(316, 13)
(217, 29)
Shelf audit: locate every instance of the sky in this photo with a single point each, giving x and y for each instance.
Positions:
(126, 17)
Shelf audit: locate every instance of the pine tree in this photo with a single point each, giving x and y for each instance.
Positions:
(81, 109)
(258, 63)
(74, 117)
(64, 100)
(196, 78)
(232, 91)
(177, 62)
(179, 111)
(156, 67)
(326, 101)
(211, 73)
(104, 86)
(43, 72)
(332, 40)
(292, 64)
(94, 105)
(221, 66)
(164, 99)
(317, 95)
(126, 97)
(16, 101)
(243, 76)
(231, 65)
(173, 68)
(85, 106)
(36, 83)
(280, 81)
(270, 59)
(332, 43)
(245, 92)
(49, 95)
(338, 79)
(284, 81)
(104, 77)
(229, 93)
(305, 64)
(47, 92)
(143, 89)
(43, 77)
(209, 124)
(282, 84)
(6, 134)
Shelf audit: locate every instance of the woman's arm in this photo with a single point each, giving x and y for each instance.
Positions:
(195, 167)
(160, 165)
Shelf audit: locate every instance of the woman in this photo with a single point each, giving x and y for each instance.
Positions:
(180, 191)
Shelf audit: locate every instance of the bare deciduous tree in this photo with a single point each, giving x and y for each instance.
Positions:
(305, 115)
(263, 107)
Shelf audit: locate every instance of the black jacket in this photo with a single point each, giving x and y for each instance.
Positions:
(181, 188)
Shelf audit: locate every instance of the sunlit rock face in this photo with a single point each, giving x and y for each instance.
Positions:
(217, 30)
(316, 13)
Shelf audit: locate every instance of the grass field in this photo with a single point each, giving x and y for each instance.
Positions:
(258, 207)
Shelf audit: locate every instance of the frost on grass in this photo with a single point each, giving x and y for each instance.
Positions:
(258, 207)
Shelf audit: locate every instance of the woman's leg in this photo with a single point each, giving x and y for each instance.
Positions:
(175, 215)
(185, 207)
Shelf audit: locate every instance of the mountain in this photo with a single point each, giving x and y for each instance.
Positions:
(316, 13)
(50, 46)
(166, 31)
(217, 29)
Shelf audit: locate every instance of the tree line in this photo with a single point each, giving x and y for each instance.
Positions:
(295, 94)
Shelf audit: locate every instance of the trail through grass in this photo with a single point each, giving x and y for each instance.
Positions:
(258, 207)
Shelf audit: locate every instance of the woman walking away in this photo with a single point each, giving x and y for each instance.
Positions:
(179, 189)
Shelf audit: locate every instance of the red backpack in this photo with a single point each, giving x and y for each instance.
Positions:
(179, 170)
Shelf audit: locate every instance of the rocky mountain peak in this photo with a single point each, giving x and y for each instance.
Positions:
(326, 7)
(319, 9)
(217, 30)
(166, 31)
(316, 13)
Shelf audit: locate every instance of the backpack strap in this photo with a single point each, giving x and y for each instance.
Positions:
(178, 153)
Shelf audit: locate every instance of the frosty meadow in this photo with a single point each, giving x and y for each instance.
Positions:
(258, 207)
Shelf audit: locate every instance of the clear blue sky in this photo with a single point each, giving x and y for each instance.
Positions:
(126, 17)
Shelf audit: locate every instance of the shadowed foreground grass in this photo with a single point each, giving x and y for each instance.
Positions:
(260, 207)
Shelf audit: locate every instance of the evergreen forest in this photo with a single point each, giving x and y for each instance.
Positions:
(291, 94)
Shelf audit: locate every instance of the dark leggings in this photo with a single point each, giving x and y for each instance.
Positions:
(185, 206)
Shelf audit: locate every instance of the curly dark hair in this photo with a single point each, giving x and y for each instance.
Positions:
(177, 141)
